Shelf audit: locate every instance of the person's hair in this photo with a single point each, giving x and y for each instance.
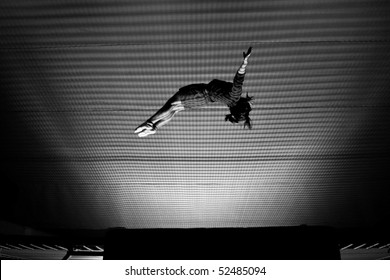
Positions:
(240, 112)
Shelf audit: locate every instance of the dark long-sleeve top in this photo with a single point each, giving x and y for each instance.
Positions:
(197, 95)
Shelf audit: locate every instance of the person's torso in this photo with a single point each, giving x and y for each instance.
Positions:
(218, 87)
(198, 95)
(194, 95)
(220, 91)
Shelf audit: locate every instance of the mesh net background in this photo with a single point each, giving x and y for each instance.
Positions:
(79, 76)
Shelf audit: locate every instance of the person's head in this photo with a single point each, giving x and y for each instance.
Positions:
(240, 112)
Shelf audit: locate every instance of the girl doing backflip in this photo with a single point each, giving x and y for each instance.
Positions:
(197, 95)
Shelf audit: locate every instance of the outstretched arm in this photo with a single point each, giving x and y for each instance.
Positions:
(239, 77)
(246, 55)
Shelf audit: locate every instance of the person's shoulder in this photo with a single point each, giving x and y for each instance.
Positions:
(220, 87)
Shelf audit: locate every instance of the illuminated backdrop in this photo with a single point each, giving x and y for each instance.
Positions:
(79, 76)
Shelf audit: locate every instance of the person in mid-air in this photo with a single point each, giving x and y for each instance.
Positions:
(197, 95)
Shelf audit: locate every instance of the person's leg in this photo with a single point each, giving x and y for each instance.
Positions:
(160, 118)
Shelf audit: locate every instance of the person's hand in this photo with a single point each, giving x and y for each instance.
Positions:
(145, 129)
(247, 54)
